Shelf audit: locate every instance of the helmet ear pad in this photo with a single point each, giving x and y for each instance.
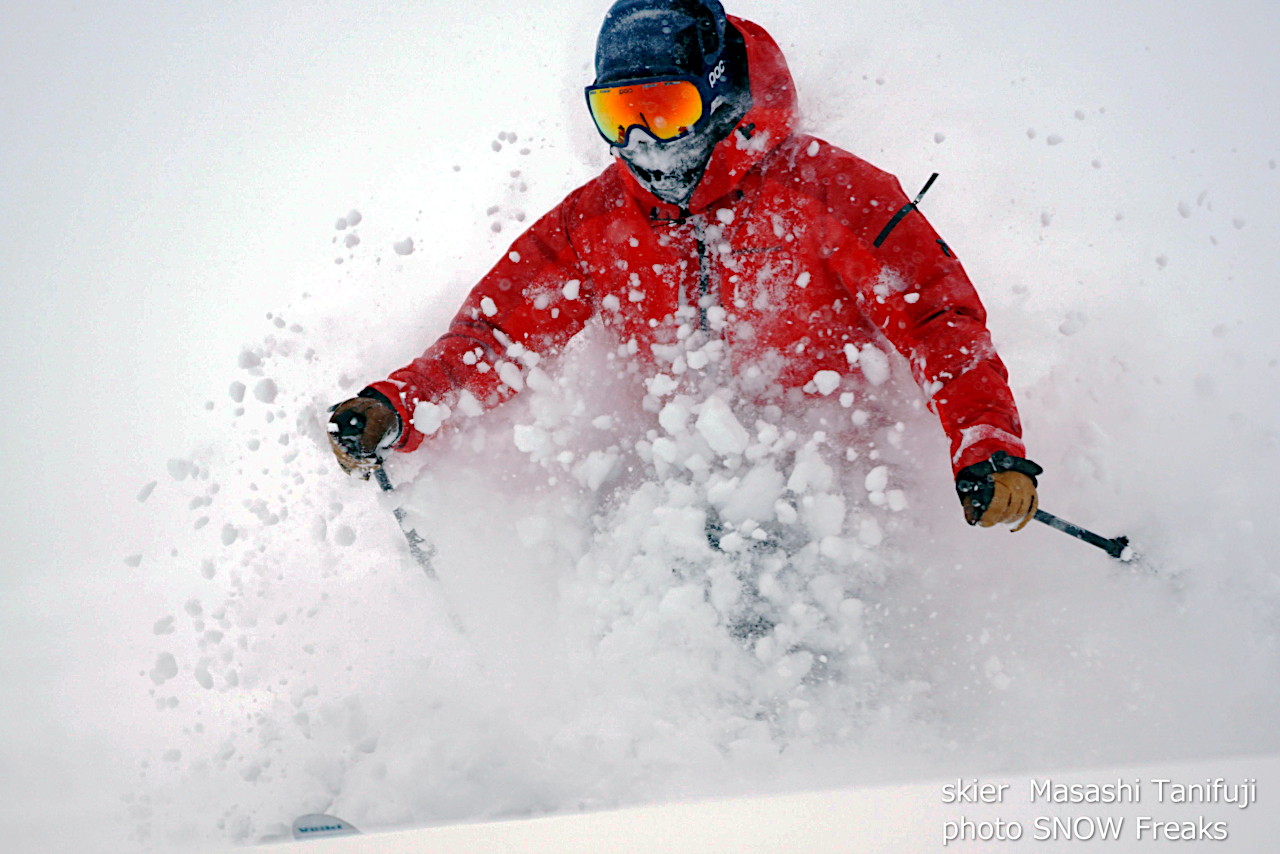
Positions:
(737, 76)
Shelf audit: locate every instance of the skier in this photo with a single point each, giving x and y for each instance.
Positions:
(716, 215)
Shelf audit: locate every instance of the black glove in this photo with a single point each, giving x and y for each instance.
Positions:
(1002, 489)
(359, 428)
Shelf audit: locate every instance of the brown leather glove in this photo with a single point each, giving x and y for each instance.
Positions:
(359, 428)
(1000, 490)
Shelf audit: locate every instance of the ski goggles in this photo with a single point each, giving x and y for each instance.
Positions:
(667, 108)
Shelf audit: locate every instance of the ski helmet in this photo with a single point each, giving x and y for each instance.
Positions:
(689, 40)
(653, 38)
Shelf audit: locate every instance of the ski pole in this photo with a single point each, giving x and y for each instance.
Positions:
(1116, 547)
(421, 550)
(350, 428)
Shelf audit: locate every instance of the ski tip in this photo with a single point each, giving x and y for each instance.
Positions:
(318, 826)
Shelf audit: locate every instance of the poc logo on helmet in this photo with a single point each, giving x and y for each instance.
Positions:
(716, 73)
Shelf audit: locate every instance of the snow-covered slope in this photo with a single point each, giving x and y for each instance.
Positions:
(1013, 813)
(211, 624)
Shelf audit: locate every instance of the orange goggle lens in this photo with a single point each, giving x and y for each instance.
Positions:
(667, 109)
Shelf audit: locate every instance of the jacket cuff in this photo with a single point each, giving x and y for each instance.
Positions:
(389, 393)
(979, 442)
(998, 462)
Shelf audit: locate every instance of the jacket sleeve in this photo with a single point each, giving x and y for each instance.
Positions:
(529, 305)
(915, 291)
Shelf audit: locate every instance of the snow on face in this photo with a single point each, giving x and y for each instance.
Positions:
(670, 170)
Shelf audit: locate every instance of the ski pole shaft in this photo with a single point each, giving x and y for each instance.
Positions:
(421, 550)
(350, 427)
(1115, 547)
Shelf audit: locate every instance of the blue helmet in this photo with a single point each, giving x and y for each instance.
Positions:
(655, 38)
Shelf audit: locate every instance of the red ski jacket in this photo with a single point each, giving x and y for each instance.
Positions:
(775, 253)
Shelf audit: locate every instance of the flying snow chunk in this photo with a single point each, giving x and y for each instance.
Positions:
(180, 469)
(509, 373)
(166, 668)
(488, 306)
(403, 247)
(877, 479)
(530, 438)
(229, 534)
(428, 417)
(571, 289)
(236, 391)
(874, 364)
(661, 385)
(468, 405)
(826, 382)
(869, 532)
(994, 669)
(825, 515)
(596, 469)
(1075, 322)
(756, 498)
(717, 424)
(133, 560)
(674, 416)
(146, 491)
(266, 390)
(354, 218)
(666, 450)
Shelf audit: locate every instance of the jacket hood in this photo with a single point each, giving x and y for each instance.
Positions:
(766, 125)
